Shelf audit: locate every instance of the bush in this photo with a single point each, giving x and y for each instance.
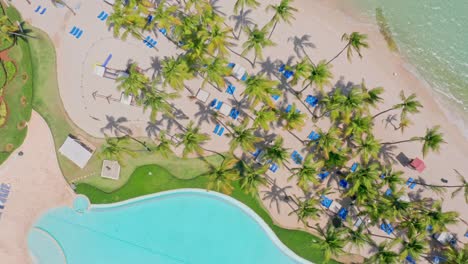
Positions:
(10, 70)
(3, 112)
(3, 77)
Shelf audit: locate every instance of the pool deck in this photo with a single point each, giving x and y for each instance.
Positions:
(35, 188)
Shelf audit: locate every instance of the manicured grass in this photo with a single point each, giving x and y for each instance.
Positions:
(17, 95)
(153, 178)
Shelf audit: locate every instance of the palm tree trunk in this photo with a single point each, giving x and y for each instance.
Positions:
(240, 55)
(440, 186)
(21, 35)
(398, 142)
(254, 60)
(67, 6)
(337, 55)
(307, 86)
(273, 29)
(383, 112)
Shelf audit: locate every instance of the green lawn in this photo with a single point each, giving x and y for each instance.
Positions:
(17, 95)
(152, 179)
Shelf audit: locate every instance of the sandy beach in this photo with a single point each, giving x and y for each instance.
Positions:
(319, 19)
(37, 185)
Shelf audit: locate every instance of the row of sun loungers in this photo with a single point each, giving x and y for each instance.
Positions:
(4, 192)
(219, 130)
(335, 207)
(258, 157)
(286, 73)
(296, 157)
(411, 183)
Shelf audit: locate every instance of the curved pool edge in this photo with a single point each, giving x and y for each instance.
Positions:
(35, 257)
(251, 213)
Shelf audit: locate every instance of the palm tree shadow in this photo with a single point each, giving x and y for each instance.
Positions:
(300, 43)
(152, 129)
(155, 67)
(389, 120)
(276, 195)
(204, 114)
(116, 127)
(242, 20)
(345, 87)
(387, 154)
(216, 7)
(269, 68)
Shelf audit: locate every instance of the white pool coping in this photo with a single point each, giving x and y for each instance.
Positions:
(220, 196)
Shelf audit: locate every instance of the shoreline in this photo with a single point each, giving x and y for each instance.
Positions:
(455, 113)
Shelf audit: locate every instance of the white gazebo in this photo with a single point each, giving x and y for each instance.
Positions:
(76, 151)
(110, 169)
(202, 95)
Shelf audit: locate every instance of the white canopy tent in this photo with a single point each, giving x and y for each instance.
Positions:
(202, 95)
(225, 109)
(76, 151)
(238, 71)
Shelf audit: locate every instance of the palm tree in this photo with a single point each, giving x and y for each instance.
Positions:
(320, 75)
(431, 141)
(307, 173)
(333, 242)
(164, 145)
(392, 178)
(371, 96)
(64, 3)
(354, 42)
(11, 32)
(294, 119)
(283, 12)
(260, 89)
(114, 148)
(363, 180)
(358, 126)
(367, 147)
(352, 104)
(219, 40)
(301, 71)
(214, 71)
(414, 224)
(165, 16)
(408, 105)
(157, 101)
(438, 219)
(192, 140)
(396, 207)
(276, 152)
(358, 238)
(243, 136)
(384, 254)
(125, 17)
(134, 83)
(252, 178)
(221, 178)
(256, 41)
(241, 4)
(308, 209)
(414, 247)
(457, 256)
(329, 141)
(175, 72)
(264, 117)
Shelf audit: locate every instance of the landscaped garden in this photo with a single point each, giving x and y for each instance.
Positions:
(15, 83)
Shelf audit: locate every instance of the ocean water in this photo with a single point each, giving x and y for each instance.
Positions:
(186, 226)
(433, 36)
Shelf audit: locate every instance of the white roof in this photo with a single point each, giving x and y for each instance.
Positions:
(238, 71)
(124, 99)
(75, 152)
(202, 95)
(225, 109)
(99, 70)
(110, 169)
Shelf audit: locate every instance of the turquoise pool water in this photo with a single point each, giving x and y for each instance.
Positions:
(189, 226)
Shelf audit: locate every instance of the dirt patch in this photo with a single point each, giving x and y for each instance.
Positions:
(9, 147)
(4, 55)
(24, 101)
(24, 76)
(22, 125)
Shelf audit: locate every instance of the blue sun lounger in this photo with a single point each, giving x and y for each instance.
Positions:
(163, 31)
(412, 185)
(325, 201)
(218, 106)
(43, 11)
(388, 192)
(216, 128)
(409, 181)
(230, 89)
(213, 103)
(275, 97)
(234, 114)
(256, 153)
(37, 9)
(311, 100)
(296, 157)
(231, 65)
(79, 34)
(354, 167)
(288, 74)
(323, 175)
(387, 228)
(343, 213)
(282, 68)
(410, 260)
(313, 136)
(244, 77)
(288, 109)
(274, 167)
(221, 131)
(343, 183)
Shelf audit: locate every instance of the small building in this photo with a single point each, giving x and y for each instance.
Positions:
(110, 169)
(76, 151)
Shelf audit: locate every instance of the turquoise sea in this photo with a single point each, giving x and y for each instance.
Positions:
(433, 36)
(185, 226)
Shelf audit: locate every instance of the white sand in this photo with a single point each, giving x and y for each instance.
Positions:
(37, 185)
(325, 25)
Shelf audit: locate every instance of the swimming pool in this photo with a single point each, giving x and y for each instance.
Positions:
(184, 226)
